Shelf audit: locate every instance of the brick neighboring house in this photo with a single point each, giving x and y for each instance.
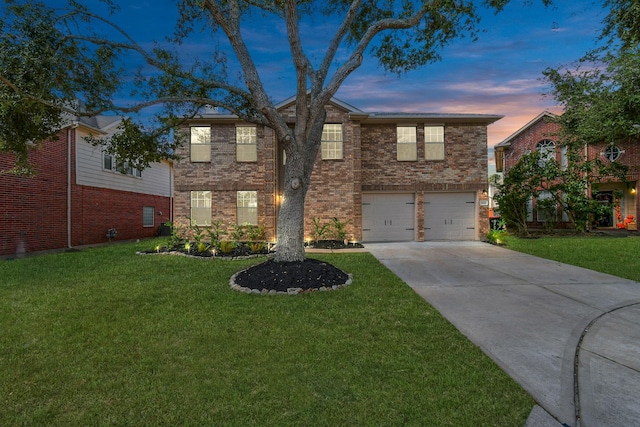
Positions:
(541, 133)
(392, 177)
(78, 193)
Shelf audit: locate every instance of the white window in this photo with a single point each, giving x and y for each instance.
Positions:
(331, 141)
(530, 209)
(200, 144)
(148, 216)
(545, 214)
(247, 208)
(612, 153)
(246, 144)
(434, 142)
(547, 150)
(407, 146)
(201, 208)
(109, 163)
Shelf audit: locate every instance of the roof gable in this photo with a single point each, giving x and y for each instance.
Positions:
(542, 116)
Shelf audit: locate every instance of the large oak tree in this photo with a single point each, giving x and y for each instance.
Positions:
(50, 57)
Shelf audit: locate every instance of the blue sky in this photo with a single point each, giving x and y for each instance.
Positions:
(498, 74)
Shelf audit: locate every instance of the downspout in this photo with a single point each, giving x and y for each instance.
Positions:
(73, 126)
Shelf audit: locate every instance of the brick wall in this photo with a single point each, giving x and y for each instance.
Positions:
(545, 129)
(463, 169)
(368, 164)
(33, 209)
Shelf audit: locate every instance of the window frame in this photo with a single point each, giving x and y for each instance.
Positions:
(332, 149)
(202, 143)
(148, 212)
(434, 140)
(406, 143)
(610, 155)
(204, 198)
(547, 150)
(244, 148)
(248, 198)
(115, 166)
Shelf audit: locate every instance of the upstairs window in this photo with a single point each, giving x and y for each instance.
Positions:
(407, 145)
(110, 163)
(547, 150)
(434, 142)
(200, 144)
(612, 153)
(246, 144)
(201, 208)
(331, 142)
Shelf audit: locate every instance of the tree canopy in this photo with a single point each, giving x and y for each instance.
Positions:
(83, 53)
(600, 93)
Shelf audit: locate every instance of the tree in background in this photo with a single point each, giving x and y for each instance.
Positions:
(87, 56)
(601, 95)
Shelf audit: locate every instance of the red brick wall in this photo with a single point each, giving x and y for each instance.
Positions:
(33, 210)
(545, 129)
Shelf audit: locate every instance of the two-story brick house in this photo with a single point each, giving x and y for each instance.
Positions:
(79, 192)
(390, 176)
(542, 133)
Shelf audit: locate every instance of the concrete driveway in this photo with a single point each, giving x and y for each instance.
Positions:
(537, 319)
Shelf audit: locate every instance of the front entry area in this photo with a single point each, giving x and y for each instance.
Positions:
(450, 216)
(388, 217)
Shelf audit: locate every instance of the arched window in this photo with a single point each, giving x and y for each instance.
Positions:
(612, 153)
(547, 150)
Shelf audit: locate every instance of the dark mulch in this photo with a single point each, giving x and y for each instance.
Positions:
(334, 244)
(309, 274)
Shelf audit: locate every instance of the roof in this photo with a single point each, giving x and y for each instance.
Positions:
(371, 117)
(541, 116)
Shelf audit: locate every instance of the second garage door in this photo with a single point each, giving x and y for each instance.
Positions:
(450, 216)
(388, 217)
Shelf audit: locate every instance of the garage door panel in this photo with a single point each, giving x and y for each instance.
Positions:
(388, 217)
(450, 216)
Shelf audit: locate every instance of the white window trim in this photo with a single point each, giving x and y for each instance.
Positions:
(335, 152)
(429, 139)
(202, 145)
(115, 168)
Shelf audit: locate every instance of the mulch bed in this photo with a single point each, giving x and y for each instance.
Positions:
(307, 275)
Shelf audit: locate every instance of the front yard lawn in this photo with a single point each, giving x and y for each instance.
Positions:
(104, 336)
(612, 255)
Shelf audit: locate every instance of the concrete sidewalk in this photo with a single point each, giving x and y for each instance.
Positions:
(537, 319)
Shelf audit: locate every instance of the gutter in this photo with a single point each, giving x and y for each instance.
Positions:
(73, 126)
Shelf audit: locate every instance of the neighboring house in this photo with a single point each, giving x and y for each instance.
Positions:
(78, 193)
(390, 176)
(541, 134)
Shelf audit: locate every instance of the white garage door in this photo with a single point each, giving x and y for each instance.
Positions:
(450, 216)
(388, 217)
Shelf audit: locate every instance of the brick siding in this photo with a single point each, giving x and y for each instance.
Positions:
(547, 129)
(33, 209)
(368, 164)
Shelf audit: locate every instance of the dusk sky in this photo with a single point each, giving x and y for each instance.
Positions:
(498, 74)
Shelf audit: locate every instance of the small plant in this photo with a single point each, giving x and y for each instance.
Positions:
(177, 237)
(187, 247)
(256, 247)
(238, 233)
(227, 247)
(339, 229)
(202, 246)
(319, 230)
(255, 233)
(215, 232)
(496, 236)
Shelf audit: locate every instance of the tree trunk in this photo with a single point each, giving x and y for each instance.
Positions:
(290, 233)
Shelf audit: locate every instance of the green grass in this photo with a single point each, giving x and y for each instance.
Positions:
(611, 255)
(103, 336)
